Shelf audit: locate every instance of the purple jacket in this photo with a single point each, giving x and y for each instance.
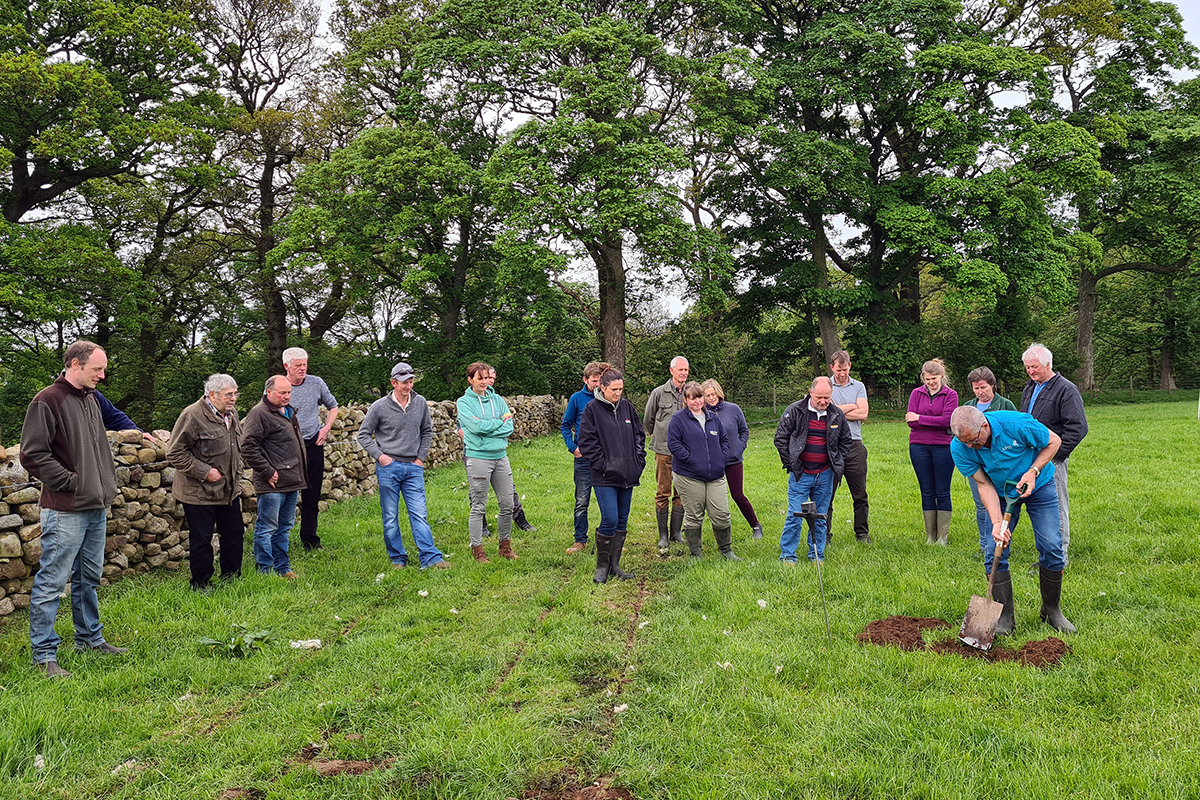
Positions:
(933, 426)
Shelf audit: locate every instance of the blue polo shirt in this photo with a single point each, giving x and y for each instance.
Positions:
(1014, 444)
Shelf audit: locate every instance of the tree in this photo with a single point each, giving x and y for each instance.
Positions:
(92, 89)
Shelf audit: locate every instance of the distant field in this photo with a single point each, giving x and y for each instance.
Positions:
(524, 676)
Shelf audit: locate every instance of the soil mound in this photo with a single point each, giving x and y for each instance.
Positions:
(905, 633)
(902, 632)
(566, 786)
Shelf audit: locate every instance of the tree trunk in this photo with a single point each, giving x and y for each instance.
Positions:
(610, 269)
(274, 307)
(1084, 326)
(147, 350)
(826, 321)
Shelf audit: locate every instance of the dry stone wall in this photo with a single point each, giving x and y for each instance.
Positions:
(146, 526)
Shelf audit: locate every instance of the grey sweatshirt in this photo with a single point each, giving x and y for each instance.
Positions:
(405, 435)
(306, 397)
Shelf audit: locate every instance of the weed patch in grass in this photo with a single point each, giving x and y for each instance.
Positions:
(565, 785)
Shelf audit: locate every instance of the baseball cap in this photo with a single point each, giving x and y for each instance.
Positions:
(402, 372)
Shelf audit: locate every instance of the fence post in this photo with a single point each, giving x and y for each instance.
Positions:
(774, 403)
(1130, 387)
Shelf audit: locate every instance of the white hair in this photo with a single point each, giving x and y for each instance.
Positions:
(676, 360)
(966, 421)
(1041, 353)
(218, 383)
(293, 353)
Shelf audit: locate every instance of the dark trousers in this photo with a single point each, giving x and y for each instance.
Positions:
(310, 496)
(228, 521)
(583, 497)
(856, 478)
(734, 477)
(934, 467)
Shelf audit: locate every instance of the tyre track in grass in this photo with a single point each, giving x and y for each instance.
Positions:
(506, 671)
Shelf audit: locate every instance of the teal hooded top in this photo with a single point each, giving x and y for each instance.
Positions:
(486, 423)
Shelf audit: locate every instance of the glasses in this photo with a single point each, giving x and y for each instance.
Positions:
(230, 393)
(974, 443)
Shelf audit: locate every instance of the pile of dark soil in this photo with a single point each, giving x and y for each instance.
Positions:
(905, 633)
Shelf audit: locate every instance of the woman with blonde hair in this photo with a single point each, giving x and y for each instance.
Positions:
(734, 423)
(928, 417)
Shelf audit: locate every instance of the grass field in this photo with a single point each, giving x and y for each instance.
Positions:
(678, 684)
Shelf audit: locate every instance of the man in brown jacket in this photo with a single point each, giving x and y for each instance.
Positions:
(63, 444)
(273, 447)
(206, 455)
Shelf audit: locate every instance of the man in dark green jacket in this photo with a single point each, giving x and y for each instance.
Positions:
(206, 455)
(983, 384)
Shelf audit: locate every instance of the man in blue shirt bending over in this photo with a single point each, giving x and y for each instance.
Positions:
(1008, 446)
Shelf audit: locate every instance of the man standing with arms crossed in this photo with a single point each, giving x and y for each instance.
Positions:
(662, 404)
(570, 432)
(1055, 402)
(309, 392)
(63, 445)
(851, 397)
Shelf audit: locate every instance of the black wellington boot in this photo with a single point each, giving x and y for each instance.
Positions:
(604, 548)
(663, 542)
(676, 523)
(693, 542)
(1002, 593)
(1051, 613)
(614, 565)
(724, 537)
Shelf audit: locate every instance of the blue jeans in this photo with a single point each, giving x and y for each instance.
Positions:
(583, 496)
(276, 515)
(1042, 509)
(72, 546)
(934, 467)
(614, 508)
(404, 479)
(984, 522)
(817, 489)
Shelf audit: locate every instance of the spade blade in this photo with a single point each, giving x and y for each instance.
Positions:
(979, 625)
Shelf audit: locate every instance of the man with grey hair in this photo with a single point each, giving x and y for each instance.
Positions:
(207, 458)
(812, 439)
(309, 393)
(1011, 452)
(274, 449)
(661, 405)
(1055, 402)
(63, 444)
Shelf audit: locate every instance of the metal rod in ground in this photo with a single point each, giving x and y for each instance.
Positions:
(821, 583)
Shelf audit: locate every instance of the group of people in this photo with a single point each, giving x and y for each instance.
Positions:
(698, 438)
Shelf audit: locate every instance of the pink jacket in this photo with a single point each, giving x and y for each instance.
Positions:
(935, 415)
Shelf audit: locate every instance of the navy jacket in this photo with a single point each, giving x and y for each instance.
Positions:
(572, 416)
(1059, 407)
(611, 438)
(734, 423)
(697, 452)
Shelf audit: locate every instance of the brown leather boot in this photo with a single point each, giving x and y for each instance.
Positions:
(577, 548)
(480, 556)
(506, 550)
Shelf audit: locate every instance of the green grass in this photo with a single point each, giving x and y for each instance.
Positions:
(521, 684)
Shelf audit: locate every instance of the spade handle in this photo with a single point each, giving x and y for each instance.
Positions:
(996, 557)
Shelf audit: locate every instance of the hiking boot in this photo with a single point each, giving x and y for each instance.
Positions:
(480, 556)
(51, 669)
(109, 650)
(506, 550)
(443, 564)
(756, 532)
(576, 548)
